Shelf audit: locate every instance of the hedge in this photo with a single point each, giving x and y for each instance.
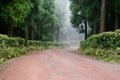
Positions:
(15, 47)
(105, 46)
(102, 40)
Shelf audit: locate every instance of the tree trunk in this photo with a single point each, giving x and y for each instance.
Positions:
(85, 29)
(32, 33)
(102, 16)
(26, 31)
(58, 34)
(112, 17)
(10, 28)
(116, 24)
(10, 31)
(41, 33)
(38, 34)
(95, 25)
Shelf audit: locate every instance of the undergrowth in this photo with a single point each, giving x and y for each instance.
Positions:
(15, 47)
(104, 46)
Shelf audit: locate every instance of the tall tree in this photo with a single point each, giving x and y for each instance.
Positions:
(102, 15)
(47, 21)
(87, 11)
(60, 17)
(117, 13)
(14, 12)
(34, 18)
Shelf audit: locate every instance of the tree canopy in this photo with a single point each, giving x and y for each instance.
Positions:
(90, 10)
(35, 19)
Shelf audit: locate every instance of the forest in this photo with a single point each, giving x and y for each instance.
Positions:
(29, 19)
(101, 15)
(22, 21)
(59, 39)
(40, 20)
(37, 20)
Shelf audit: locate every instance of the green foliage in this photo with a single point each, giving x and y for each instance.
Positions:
(14, 47)
(108, 55)
(84, 9)
(15, 12)
(47, 21)
(90, 10)
(88, 51)
(102, 40)
(118, 50)
(5, 41)
(11, 52)
(47, 45)
(38, 16)
(105, 46)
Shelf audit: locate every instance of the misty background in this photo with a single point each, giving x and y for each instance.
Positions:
(67, 33)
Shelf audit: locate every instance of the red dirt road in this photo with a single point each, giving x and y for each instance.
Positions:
(59, 65)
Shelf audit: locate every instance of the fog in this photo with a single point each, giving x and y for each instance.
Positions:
(67, 32)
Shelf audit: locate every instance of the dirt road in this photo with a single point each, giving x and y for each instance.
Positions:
(59, 65)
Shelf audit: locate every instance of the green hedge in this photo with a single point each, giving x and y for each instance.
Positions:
(15, 47)
(47, 44)
(102, 40)
(105, 46)
(5, 41)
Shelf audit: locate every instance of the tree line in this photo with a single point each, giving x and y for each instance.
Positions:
(38, 20)
(101, 15)
(30, 19)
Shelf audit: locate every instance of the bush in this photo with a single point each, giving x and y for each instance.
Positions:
(102, 40)
(88, 51)
(105, 46)
(15, 47)
(47, 45)
(11, 52)
(5, 41)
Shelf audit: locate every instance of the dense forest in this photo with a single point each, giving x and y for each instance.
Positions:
(27, 25)
(101, 15)
(30, 19)
(38, 20)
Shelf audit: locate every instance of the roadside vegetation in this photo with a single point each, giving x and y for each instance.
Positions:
(36, 25)
(15, 47)
(104, 46)
(103, 17)
(27, 25)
